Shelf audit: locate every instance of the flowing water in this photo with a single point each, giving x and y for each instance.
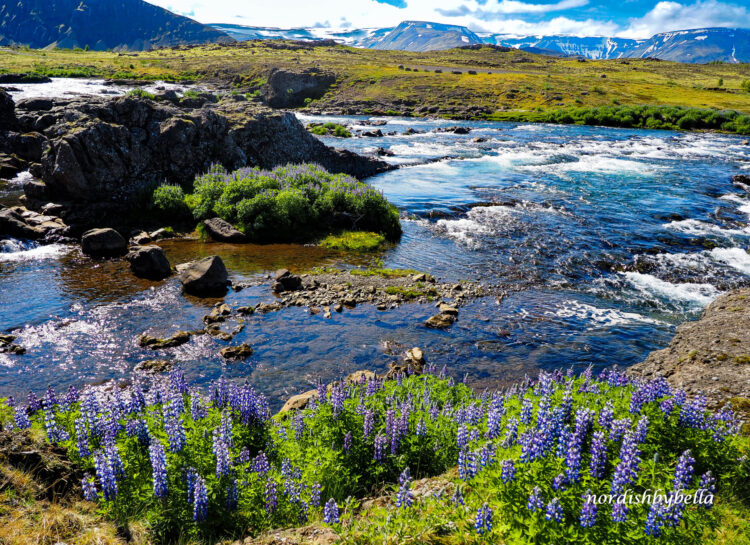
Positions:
(605, 240)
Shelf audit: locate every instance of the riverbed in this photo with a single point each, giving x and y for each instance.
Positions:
(604, 240)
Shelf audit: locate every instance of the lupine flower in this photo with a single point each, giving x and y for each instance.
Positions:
(34, 403)
(369, 423)
(598, 455)
(458, 497)
(627, 470)
(221, 451)
(707, 483)
(21, 418)
(512, 434)
(322, 392)
(588, 511)
(620, 511)
(483, 521)
(554, 510)
(683, 475)
(560, 482)
(337, 399)
(404, 495)
(421, 428)
(508, 472)
(159, 467)
(606, 416)
(526, 411)
(536, 501)
(89, 489)
(655, 519)
(331, 512)
(347, 441)
(82, 438)
(175, 430)
(106, 474)
(200, 499)
(315, 494)
(299, 426)
(641, 429)
(462, 436)
(618, 429)
(692, 414)
(380, 443)
(270, 494)
(232, 495)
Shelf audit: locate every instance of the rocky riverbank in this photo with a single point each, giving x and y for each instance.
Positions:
(709, 356)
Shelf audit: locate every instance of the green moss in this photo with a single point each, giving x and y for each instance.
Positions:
(411, 293)
(140, 93)
(385, 273)
(329, 129)
(742, 359)
(354, 241)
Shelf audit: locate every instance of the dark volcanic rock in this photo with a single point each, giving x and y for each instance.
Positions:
(107, 150)
(103, 243)
(155, 343)
(149, 262)
(222, 231)
(286, 281)
(240, 352)
(205, 277)
(288, 89)
(7, 111)
(12, 224)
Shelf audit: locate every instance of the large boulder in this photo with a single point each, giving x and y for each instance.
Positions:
(110, 150)
(207, 277)
(289, 89)
(222, 231)
(286, 281)
(149, 262)
(13, 224)
(7, 111)
(103, 243)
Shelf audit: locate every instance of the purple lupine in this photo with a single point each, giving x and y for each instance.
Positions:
(560, 482)
(82, 438)
(618, 429)
(198, 410)
(598, 458)
(299, 425)
(322, 392)
(536, 500)
(380, 444)
(337, 399)
(404, 496)
(683, 475)
(573, 457)
(627, 470)
(71, 397)
(655, 519)
(369, 423)
(458, 497)
(55, 434)
(347, 441)
(260, 463)
(708, 485)
(174, 427)
(34, 403)
(641, 429)
(512, 434)
(606, 416)
(620, 511)
(315, 494)
(200, 499)
(21, 417)
(462, 436)
(270, 496)
(106, 474)
(221, 451)
(508, 471)
(331, 512)
(526, 411)
(158, 467)
(588, 511)
(421, 428)
(692, 414)
(554, 510)
(89, 488)
(483, 520)
(232, 495)
(494, 424)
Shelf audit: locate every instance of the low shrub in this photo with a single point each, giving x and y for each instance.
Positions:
(169, 202)
(529, 459)
(292, 203)
(141, 93)
(330, 129)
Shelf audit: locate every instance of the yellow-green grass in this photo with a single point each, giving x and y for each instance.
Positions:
(519, 81)
(354, 241)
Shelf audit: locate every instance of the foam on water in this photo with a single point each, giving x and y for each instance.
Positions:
(702, 228)
(14, 250)
(693, 294)
(599, 317)
(737, 258)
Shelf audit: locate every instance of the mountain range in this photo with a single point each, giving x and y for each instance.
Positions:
(698, 46)
(99, 24)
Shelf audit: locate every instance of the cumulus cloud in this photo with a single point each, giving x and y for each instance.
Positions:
(668, 16)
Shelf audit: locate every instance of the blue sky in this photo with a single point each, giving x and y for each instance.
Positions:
(625, 18)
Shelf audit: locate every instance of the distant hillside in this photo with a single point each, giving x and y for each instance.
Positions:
(359, 37)
(424, 36)
(99, 24)
(699, 45)
(590, 47)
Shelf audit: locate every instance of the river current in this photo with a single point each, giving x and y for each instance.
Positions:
(604, 239)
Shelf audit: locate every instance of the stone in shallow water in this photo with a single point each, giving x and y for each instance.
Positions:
(240, 352)
(222, 231)
(149, 262)
(206, 277)
(103, 243)
(155, 343)
(440, 321)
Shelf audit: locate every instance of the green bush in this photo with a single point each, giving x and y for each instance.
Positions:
(330, 129)
(140, 93)
(292, 203)
(169, 201)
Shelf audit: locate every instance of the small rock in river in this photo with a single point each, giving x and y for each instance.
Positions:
(440, 321)
(240, 352)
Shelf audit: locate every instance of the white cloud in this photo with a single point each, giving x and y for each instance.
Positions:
(668, 16)
(513, 6)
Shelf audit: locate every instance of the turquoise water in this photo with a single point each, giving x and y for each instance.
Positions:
(604, 239)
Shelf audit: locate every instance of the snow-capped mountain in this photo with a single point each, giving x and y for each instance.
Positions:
(698, 45)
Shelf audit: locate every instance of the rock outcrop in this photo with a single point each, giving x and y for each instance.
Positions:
(207, 277)
(108, 150)
(289, 89)
(711, 355)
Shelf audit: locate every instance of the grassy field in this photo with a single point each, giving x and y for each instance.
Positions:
(399, 82)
